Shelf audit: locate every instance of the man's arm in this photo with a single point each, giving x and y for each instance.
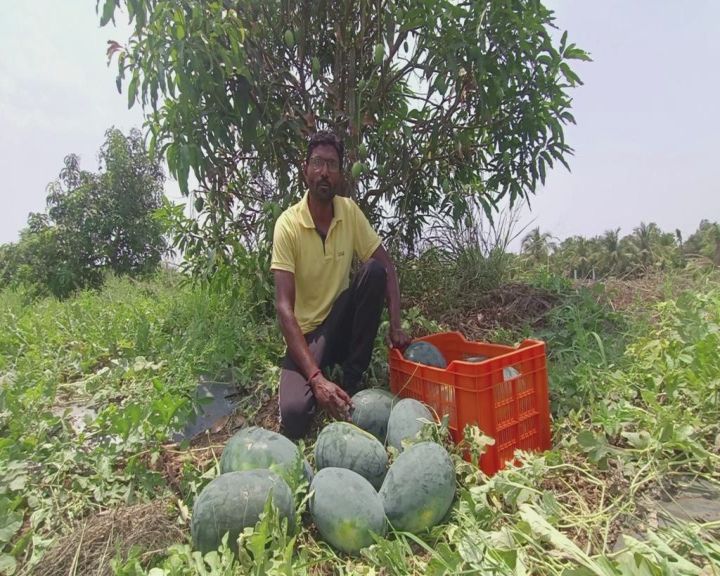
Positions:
(329, 395)
(398, 337)
(285, 307)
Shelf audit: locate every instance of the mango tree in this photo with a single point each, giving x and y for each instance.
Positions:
(442, 105)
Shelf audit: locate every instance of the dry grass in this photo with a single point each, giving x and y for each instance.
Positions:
(89, 549)
(636, 295)
(510, 306)
(595, 502)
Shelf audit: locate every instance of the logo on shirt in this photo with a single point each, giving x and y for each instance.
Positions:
(341, 253)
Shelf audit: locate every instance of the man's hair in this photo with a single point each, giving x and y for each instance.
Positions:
(325, 138)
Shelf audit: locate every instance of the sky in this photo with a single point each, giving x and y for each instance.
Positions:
(646, 140)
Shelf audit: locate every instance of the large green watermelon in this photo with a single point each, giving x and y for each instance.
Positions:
(346, 509)
(371, 411)
(425, 353)
(406, 420)
(254, 447)
(344, 445)
(233, 502)
(419, 488)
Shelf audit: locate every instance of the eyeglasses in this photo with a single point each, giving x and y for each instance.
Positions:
(316, 163)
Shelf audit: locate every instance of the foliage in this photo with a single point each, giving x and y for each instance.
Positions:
(459, 262)
(584, 337)
(209, 266)
(442, 105)
(537, 246)
(94, 222)
(670, 388)
(89, 385)
(646, 249)
(636, 409)
(705, 242)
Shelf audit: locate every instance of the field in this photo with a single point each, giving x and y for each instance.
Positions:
(92, 389)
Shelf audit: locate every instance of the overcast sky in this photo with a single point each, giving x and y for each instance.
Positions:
(646, 142)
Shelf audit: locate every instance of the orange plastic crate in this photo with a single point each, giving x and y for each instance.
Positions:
(515, 411)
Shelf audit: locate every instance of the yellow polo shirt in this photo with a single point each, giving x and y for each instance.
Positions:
(322, 270)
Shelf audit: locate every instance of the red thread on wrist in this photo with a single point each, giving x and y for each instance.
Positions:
(318, 371)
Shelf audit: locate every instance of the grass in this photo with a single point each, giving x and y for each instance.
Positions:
(636, 406)
(132, 353)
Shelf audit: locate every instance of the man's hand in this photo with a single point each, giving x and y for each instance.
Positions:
(331, 397)
(399, 338)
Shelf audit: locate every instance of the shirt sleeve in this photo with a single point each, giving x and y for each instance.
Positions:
(283, 250)
(366, 239)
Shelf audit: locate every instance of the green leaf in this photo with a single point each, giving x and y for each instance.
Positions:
(183, 169)
(315, 67)
(8, 565)
(108, 12)
(132, 90)
(10, 522)
(289, 38)
(587, 439)
(378, 54)
(639, 440)
(357, 169)
(573, 53)
(667, 433)
(18, 483)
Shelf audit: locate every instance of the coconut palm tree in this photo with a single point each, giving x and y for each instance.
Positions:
(613, 255)
(537, 247)
(583, 257)
(575, 257)
(645, 241)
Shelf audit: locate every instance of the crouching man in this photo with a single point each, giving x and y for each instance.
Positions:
(325, 317)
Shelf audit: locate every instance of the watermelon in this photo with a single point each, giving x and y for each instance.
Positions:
(476, 358)
(406, 421)
(419, 488)
(233, 502)
(509, 373)
(344, 445)
(346, 509)
(425, 353)
(254, 447)
(371, 411)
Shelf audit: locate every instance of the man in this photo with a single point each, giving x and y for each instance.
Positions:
(325, 318)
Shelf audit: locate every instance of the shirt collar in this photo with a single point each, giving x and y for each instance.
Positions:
(306, 218)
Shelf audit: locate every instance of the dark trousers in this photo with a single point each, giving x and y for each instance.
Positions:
(346, 337)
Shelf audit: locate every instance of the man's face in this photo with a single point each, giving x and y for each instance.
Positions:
(322, 172)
